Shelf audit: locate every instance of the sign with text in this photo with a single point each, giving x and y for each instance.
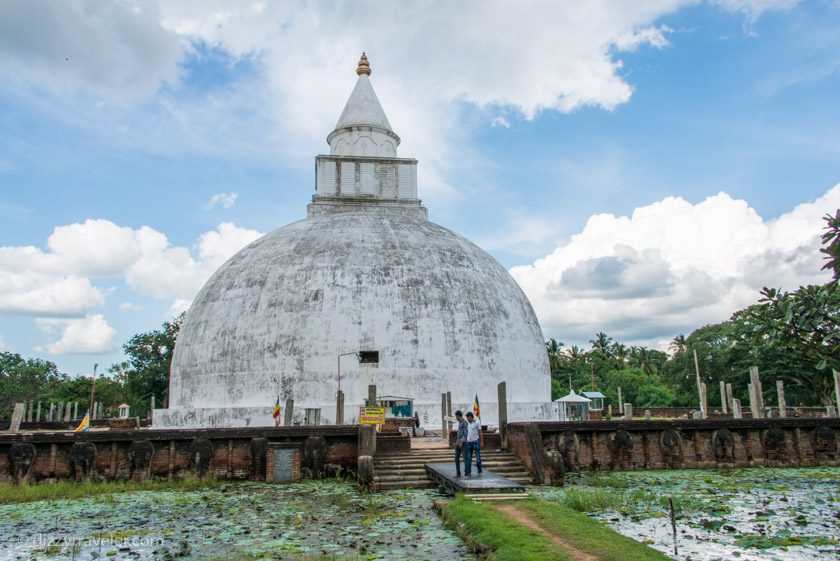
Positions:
(371, 415)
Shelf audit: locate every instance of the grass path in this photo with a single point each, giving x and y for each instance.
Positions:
(539, 530)
(523, 518)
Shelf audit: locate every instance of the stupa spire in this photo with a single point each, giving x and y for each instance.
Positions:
(364, 66)
(363, 129)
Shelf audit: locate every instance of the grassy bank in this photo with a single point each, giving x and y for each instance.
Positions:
(71, 490)
(498, 537)
(589, 535)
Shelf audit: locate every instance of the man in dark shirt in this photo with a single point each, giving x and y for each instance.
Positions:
(460, 441)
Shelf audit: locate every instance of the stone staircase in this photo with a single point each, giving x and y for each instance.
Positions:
(406, 470)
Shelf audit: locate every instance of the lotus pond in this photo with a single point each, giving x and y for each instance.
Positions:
(761, 514)
(750, 514)
(311, 520)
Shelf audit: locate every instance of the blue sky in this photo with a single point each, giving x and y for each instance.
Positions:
(643, 170)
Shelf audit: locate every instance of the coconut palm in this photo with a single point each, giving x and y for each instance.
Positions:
(601, 344)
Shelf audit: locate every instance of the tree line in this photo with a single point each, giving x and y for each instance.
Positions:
(144, 374)
(789, 336)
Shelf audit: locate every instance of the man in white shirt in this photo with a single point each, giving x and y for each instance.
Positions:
(473, 446)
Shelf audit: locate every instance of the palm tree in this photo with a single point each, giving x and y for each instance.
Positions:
(575, 354)
(619, 355)
(554, 349)
(640, 357)
(601, 344)
(678, 344)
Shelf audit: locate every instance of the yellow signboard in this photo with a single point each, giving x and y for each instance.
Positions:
(371, 415)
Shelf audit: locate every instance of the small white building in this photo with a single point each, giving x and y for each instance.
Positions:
(573, 407)
(597, 399)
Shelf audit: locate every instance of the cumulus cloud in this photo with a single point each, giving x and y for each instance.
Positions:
(31, 292)
(300, 58)
(114, 49)
(58, 281)
(672, 266)
(88, 335)
(224, 200)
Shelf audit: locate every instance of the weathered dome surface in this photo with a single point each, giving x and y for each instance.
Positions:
(442, 313)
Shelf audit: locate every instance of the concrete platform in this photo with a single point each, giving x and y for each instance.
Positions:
(488, 482)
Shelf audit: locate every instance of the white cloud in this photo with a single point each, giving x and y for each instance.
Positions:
(224, 200)
(88, 335)
(500, 122)
(114, 49)
(165, 271)
(672, 266)
(179, 305)
(3, 346)
(130, 307)
(653, 36)
(58, 281)
(32, 292)
(753, 9)
(538, 56)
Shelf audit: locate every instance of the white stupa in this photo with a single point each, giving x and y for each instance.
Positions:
(364, 272)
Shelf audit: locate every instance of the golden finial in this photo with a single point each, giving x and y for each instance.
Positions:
(364, 67)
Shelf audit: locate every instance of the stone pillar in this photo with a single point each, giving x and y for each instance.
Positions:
(729, 395)
(367, 440)
(837, 388)
(289, 413)
(620, 403)
(67, 412)
(29, 406)
(59, 416)
(372, 395)
(448, 413)
(76, 408)
(38, 413)
(443, 416)
(757, 393)
(609, 411)
(151, 411)
(647, 414)
(17, 417)
(502, 394)
(52, 412)
(723, 400)
(704, 402)
(830, 411)
(628, 411)
(339, 408)
(736, 409)
(780, 393)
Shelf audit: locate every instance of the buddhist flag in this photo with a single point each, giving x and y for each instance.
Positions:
(84, 425)
(476, 408)
(276, 413)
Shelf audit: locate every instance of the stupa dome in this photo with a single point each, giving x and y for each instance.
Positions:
(366, 271)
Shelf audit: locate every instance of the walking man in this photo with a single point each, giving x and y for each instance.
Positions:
(474, 438)
(460, 441)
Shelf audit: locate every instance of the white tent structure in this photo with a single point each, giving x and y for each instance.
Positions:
(573, 407)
